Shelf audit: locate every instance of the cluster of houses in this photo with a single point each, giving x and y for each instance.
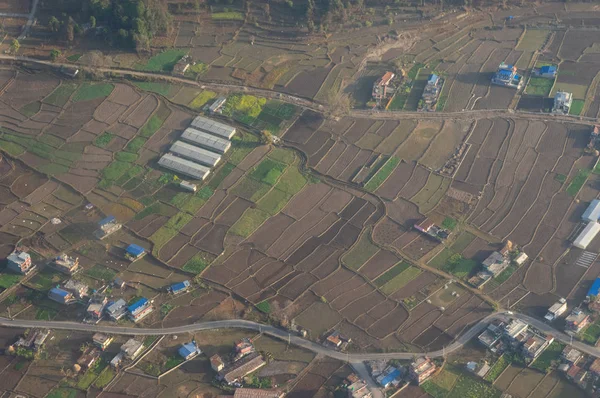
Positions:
(244, 360)
(397, 377)
(384, 89)
(496, 263)
(429, 228)
(516, 336)
(34, 340)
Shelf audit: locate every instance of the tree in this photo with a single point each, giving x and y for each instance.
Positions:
(339, 103)
(70, 29)
(15, 46)
(55, 54)
(54, 24)
(93, 21)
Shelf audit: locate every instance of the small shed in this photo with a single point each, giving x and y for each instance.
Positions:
(134, 252)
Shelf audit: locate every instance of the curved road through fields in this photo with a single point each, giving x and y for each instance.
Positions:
(307, 344)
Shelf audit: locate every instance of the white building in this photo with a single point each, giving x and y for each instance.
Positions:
(183, 166)
(562, 103)
(587, 235)
(557, 309)
(592, 213)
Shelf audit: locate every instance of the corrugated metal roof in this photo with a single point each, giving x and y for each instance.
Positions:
(585, 237)
(196, 154)
(180, 286)
(137, 305)
(187, 349)
(206, 140)
(106, 220)
(184, 166)
(595, 289)
(59, 292)
(210, 126)
(135, 250)
(592, 213)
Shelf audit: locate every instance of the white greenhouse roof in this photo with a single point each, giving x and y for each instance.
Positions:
(587, 235)
(183, 166)
(592, 213)
(195, 154)
(213, 127)
(206, 140)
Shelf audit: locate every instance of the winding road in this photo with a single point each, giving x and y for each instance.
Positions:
(301, 342)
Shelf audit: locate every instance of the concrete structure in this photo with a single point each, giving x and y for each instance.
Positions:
(139, 310)
(189, 350)
(188, 186)
(182, 66)
(20, 262)
(213, 127)
(88, 358)
(132, 348)
(495, 263)
(216, 363)
(79, 289)
(116, 310)
(116, 361)
(61, 296)
(571, 355)
(134, 252)
(592, 213)
(183, 166)
(432, 90)
(195, 154)
(381, 87)
(65, 264)
(389, 376)
(359, 389)
(562, 103)
(421, 369)
(107, 226)
(576, 321)
(101, 340)
(428, 227)
(206, 140)
(521, 258)
(556, 310)
(180, 287)
(257, 393)
(536, 344)
(515, 328)
(96, 308)
(507, 76)
(241, 368)
(547, 71)
(587, 235)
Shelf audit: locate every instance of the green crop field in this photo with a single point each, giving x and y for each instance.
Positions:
(382, 174)
(201, 99)
(497, 369)
(227, 16)
(459, 266)
(163, 62)
(103, 139)
(546, 358)
(249, 222)
(576, 107)
(89, 91)
(391, 273)
(31, 109)
(578, 181)
(163, 89)
(539, 86)
(198, 263)
(61, 94)
(268, 171)
(401, 280)
(100, 272)
(360, 252)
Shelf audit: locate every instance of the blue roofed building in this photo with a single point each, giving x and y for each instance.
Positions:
(389, 376)
(180, 287)
(134, 252)
(431, 93)
(61, 296)
(507, 76)
(595, 289)
(107, 226)
(189, 350)
(547, 71)
(139, 310)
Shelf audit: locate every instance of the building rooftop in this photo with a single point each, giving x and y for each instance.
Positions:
(515, 327)
(135, 250)
(138, 305)
(242, 367)
(188, 349)
(180, 286)
(386, 78)
(433, 79)
(131, 347)
(59, 292)
(206, 140)
(213, 127)
(19, 257)
(571, 354)
(100, 338)
(595, 366)
(392, 375)
(76, 286)
(595, 289)
(116, 306)
(592, 213)
(195, 153)
(548, 69)
(184, 166)
(587, 235)
(107, 220)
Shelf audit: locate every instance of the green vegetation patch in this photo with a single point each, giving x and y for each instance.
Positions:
(31, 109)
(282, 155)
(155, 208)
(441, 103)
(539, 86)
(104, 377)
(247, 105)
(496, 370)
(251, 189)
(461, 243)
(135, 144)
(198, 263)
(548, 357)
(220, 175)
(241, 146)
(504, 275)
(74, 57)
(9, 280)
(179, 221)
(273, 201)
(360, 252)
(449, 223)
(397, 103)
(391, 273)
(115, 170)
(103, 139)
(445, 379)
(173, 361)
(562, 178)
(152, 125)
(578, 181)
(249, 222)
(382, 174)
(264, 306)
(201, 99)
(440, 260)
(227, 16)
(163, 62)
(268, 171)
(401, 280)
(576, 107)
(62, 393)
(100, 272)
(61, 94)
(163, 89)
(591, 333)
(126, 157)
(51, 140)
(196, 69)
(88, 91)
(460, 266)
(12, 148)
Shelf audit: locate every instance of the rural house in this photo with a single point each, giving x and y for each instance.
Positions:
(382, 89)
(107, 226)
(140, 309)
(241, 368)
(546, 71)
(102, 340)
(179, 288)
(571, 355)
(507, 76)
(188, 186)
(576, 321)
(132, 348)
(421, 369)
(96, 306)
(536, 344)
(79, 289)
(556, 310)
(216, 363)
(495, 263)
(182, 65)
(189, 350)
(65, 264)
(88, 358)
(134, 252)
(61, 296)
(562, 103)
(432, 90)
(20, 262)
(116, 310)
(390, 376)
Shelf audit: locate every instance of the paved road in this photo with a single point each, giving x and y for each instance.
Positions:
(309, 345)
(30, 19)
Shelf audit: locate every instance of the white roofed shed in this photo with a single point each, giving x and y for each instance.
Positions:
(215, 128)
(587, 235)
(205, 140)
(592, 213)
(196, 154)
(183, 166)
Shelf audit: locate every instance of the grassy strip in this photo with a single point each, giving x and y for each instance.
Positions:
(89, 91)
(391, 274)
(383, 173)
(201, 99)
(576, 107)
(163, 89)
(578, 181)
(163, 62)
(61, 94)
(227, 16)
(401, 280)
(546, 358)
(539, 86)
(496, 370)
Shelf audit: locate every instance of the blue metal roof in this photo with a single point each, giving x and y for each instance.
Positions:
(137, 305)
(187, 349)
(394, 374)
(433, 78)
(548, 69)
(59, 292)
(106, 220)
(504, 73)
(595, 289)
(135, 250)
(180, 286)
